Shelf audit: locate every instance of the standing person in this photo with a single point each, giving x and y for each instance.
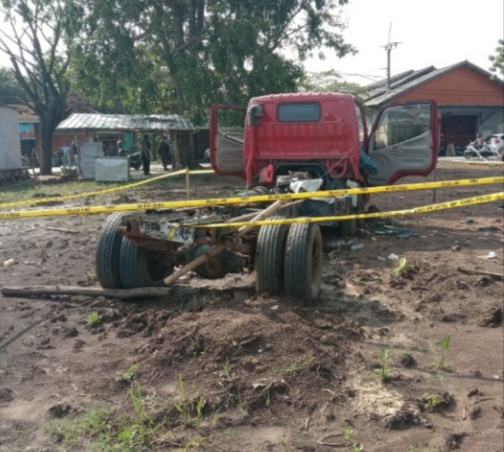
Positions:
(75, 152)
(146, 154)
(164, 152)
(66, 155)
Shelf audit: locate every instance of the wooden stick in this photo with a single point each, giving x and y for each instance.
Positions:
(188, 183)
(123, 294)
(467, 271)
(217, 249)
(69, 231)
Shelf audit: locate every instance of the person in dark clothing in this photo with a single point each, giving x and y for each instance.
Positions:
(146, 155)
(165, 152)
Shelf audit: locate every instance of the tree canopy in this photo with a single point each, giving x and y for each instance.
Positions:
(33, 34)
(497, 60)
(10, 90)
(181, 55)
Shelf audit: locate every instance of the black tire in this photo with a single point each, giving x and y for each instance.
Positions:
(141, 267)
(270, 257)
(108, 253)
(213, 268)
(303, 261)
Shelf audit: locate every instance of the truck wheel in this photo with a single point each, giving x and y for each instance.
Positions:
(108, 252)
(303, 261)
(213, 268)
(269, 257)
(141, 267)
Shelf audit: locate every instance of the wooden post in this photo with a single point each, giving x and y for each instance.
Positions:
(218, 248)
(188, 183)
(434, 190)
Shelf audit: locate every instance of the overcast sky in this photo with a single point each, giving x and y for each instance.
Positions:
(431, 32)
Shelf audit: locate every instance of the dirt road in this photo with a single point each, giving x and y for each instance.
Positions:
(408, 360)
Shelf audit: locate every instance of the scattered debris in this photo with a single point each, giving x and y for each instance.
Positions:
(490, 255)
(399, 232)
(60, 410)
(498, 276)
(454, 440)
(9, 263)
(491, 228)
(68, 231)
(492, 318)
(408, 361)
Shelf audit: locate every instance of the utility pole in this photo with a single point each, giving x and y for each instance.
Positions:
(388, 48)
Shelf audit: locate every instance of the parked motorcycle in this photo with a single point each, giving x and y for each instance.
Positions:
(135, 160)
(484, 151)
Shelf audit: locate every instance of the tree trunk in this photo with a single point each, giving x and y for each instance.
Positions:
(46, 135)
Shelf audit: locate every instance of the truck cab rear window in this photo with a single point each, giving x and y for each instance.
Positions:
(299, 112)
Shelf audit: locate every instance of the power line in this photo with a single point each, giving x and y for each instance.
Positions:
(388, 48)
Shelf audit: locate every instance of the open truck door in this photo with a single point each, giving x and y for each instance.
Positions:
(227, 127)
(404, 141)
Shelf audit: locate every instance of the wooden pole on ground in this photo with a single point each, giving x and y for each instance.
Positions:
(123, 294)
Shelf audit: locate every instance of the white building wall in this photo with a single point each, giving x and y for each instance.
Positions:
(10, 145)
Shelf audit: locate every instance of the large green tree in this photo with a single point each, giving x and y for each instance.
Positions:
(10, 90)
(34, 35)
(182, 55)
(497, 60)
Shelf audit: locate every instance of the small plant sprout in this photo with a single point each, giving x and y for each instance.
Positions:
(225, 375)
(347, 432)
(189, 406)
(445, 348)
(297, 366)
(95, 318)
(357, 447)
(384, 372)
(431, 401)
(439, 350)
(128, 375)
(404, 269)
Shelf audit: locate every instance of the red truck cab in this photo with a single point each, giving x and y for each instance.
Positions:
(323, 134)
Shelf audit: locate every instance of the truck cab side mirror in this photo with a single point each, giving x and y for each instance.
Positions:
(255, 112)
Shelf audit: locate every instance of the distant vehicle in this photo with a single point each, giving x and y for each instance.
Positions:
(496, 143)
(493, 146)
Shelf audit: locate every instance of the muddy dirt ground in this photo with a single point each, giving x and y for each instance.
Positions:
(381, 362)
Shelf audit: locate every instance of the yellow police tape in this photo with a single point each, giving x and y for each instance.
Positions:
(362, 216)
(245, 199)
(105, 191)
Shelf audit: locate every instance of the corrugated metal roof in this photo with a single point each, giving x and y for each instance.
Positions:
(377, 93)
(131, 123)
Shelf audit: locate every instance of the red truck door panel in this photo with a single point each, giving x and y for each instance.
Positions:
(404, 141)
(227, 139)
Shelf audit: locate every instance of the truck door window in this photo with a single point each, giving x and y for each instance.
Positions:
(299, 112)
(230, 124)
(401, 123)
(361, 125)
